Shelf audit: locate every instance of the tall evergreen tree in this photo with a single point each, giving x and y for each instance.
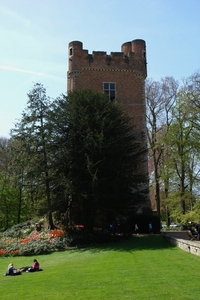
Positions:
(99, 159)
(34, 133)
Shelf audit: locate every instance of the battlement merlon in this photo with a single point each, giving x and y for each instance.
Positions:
(131, 58)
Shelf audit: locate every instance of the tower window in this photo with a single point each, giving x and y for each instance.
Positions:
(71, 51)
(110, 89)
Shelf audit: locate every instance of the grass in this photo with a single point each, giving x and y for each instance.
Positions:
(144, 267)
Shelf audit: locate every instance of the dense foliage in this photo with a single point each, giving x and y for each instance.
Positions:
(25, 239)
(74, 156)
(173, 131)
(100, 156)
(72, 159)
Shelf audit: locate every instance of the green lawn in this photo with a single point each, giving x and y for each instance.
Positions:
(144, 267)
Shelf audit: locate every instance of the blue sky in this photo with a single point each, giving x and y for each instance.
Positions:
(34, 38)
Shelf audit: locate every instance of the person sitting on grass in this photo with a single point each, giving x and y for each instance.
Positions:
(35, 267)
(12, 270)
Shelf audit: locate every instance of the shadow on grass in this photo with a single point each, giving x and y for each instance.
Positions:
(134, 243)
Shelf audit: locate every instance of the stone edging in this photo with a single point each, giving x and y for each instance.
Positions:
(186, 245)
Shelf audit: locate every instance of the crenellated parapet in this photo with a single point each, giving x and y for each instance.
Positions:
(131, 58)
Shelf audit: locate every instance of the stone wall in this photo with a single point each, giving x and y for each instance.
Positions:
(192, 247)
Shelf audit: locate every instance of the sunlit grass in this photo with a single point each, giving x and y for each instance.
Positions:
(141, 268)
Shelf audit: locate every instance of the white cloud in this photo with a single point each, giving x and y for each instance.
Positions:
(40, 74)
(21, 70)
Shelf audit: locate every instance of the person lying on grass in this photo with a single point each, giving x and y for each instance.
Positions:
(12, 270)
(35, 267)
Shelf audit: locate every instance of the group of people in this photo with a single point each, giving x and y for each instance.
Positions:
(150, 228)
(13, 271)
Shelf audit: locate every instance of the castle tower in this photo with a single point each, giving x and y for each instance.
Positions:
(122, 76)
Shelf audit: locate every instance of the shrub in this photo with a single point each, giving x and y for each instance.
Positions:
(12, 246)
(19, 230)
(2, 244)
(61, 243)
(36, 248)
(15, 242)
(94, 237)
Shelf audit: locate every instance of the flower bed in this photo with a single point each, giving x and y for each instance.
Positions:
(26, 240)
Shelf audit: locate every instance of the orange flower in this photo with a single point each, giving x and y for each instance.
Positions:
(56, 233)
(25, 240)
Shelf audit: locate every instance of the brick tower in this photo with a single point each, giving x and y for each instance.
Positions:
(122, 76)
